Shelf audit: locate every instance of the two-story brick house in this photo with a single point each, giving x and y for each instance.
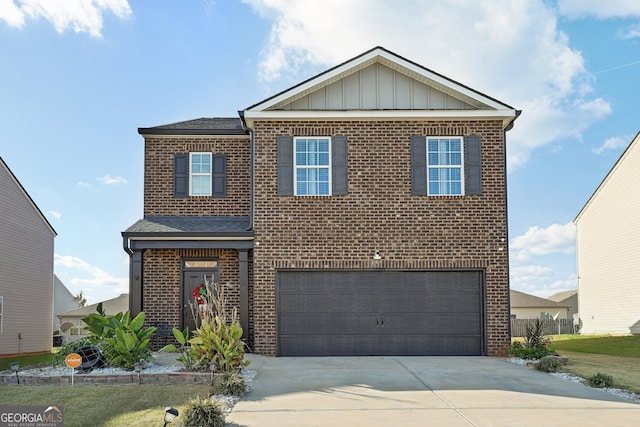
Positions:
(361, 212)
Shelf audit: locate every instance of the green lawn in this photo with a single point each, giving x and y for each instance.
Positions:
(612, 355)
(624, 346)
(106, 405)
(28, 360)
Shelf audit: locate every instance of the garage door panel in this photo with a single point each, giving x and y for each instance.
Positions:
(304, 324)
(380, 313)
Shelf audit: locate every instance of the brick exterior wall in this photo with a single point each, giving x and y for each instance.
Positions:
(380, 213)
(162, 272)
(158, 176)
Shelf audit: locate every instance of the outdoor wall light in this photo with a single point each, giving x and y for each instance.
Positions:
(138, 368)
(376, 255)
(15, 367)
(170, 414)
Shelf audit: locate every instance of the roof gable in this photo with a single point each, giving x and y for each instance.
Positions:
(629, 161)
(379, 80)
(12, 180)
(523, 300)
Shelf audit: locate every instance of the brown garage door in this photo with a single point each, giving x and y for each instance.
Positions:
(356, 313)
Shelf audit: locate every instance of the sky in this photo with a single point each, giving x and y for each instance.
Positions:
(79, 77)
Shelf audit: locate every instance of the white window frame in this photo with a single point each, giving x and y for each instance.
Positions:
(296, 167)
(1, 313)
(446, 166)
(193, 174)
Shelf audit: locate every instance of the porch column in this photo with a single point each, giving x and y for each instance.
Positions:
(135, 283)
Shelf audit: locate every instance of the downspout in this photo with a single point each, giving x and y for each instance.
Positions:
(506, 210)
(251, 168)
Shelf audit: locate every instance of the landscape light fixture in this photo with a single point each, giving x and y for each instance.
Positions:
(376, 255)
(213, 366)
(170, 414)
(138, 368)
(15, 367)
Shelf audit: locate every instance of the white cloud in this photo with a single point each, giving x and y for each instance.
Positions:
(108, 179)
(510, 50)
(535, 280)
(55, 214)
(613, 143)
(598, 8)
(96, 278)
(83, 184)
(575, 9)
(77, 15)
(556, 238)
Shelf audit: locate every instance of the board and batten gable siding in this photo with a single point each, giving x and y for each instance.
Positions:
(379, 212)
(608, 248)
(26, 263)
(377, 87)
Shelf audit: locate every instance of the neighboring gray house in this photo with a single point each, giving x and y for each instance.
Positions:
(71, 323)
(526, 306)
(63, 301)
(607, 248)
(568, 298)
(26, 267)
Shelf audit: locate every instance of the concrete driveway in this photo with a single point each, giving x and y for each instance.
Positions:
(420, 391)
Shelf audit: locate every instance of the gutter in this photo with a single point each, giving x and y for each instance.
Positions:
(125, 245)
(251, 167)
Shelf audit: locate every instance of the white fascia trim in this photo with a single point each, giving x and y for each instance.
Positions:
(192, 238)
(379, 114)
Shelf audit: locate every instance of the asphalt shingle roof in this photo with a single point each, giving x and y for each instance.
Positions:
(201, 126)
(190, 224)
(522, 300)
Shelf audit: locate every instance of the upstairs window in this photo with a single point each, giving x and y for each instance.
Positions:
(444, 165)
(200, 174)
(312, 166)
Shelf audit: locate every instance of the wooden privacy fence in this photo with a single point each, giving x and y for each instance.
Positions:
(550, 326)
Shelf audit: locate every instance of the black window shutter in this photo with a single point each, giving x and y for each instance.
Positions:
(181, 175)
(339, 166)
(219, 176)
(419, 165)
(472, 165)
(285, 165)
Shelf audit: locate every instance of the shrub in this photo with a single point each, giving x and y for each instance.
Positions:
(548, 364)
(218, 338)
(204, 412)
(122, 340)
(229, 384)
(600, 380)
(518, 349)
(58, 358)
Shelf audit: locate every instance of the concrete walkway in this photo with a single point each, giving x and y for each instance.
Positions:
(420, 391)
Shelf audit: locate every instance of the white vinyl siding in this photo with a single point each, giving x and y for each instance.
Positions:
(607, 236)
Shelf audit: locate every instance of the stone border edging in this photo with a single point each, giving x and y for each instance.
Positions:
(9, 378)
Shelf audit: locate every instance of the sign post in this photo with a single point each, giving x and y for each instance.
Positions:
(73, 360)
